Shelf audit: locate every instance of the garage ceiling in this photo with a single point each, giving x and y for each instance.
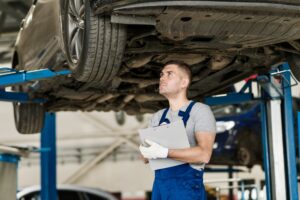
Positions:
(11, 14)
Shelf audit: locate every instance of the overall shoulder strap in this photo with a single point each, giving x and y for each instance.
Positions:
(163, 117)
(186, 115)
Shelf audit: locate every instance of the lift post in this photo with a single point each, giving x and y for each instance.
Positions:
(289, 134)
(277, 127)
(265, 145)
(48, 158)
(278, 137)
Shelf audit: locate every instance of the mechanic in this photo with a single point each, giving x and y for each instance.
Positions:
(182, 182)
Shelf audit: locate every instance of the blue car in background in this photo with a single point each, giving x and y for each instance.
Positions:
(238, 139)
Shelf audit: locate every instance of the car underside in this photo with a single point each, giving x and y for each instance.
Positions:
(222, 46)
(223, 42)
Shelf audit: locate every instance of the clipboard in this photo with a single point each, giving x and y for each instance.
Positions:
(172, 136)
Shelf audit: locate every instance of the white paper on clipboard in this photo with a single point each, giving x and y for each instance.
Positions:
(172, 136)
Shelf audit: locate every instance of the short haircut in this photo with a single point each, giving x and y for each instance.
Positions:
(183, 66)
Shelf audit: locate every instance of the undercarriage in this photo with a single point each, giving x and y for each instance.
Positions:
(221, 46)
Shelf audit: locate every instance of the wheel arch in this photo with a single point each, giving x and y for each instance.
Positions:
(15, 60)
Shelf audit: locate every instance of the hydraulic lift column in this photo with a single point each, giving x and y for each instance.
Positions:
(48, 158)
(278, 135)
(276, 150)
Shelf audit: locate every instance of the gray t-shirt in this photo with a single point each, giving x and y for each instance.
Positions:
(201, 119)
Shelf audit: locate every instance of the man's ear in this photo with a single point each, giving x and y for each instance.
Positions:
(185, 82)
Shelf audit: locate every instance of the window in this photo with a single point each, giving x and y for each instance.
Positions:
(95, 197)
(32, 196)
(68, 195)
(229, 110)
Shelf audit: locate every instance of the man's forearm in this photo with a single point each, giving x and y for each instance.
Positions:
(190, 155)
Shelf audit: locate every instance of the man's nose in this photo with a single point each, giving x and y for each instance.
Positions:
(162, 78)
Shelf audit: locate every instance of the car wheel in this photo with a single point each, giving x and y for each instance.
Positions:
(294, 62)
(29, 117)
(248, 148)
(244, 156)
(94, 46)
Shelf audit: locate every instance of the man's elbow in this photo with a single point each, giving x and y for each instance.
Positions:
(201, 156)
(200, 159)
(204, 158)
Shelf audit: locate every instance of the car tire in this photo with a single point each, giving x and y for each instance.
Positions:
(245, 156)
(246, 152)
(102, 44)
(29, 117)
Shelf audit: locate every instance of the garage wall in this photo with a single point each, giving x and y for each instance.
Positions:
(125, 176)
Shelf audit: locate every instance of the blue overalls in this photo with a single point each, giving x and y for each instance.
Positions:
(181, 182)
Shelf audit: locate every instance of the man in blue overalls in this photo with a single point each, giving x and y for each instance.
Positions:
(182, 182)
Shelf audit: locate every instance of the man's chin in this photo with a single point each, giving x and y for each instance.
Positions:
(163, 93)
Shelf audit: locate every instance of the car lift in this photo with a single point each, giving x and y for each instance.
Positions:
(277, 130)
(276, 120)
(10, 77)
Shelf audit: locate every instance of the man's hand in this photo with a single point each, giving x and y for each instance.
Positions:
(154, 150)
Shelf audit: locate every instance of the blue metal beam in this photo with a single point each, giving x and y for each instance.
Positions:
(9, 158)
(289, 134)
(231, 98)
(10, 77)
(6, 70)
(265, 147)
(19, 77)
(298, 133)
(269, 84)
(247, 85)
(48, 158)
(18, 97)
